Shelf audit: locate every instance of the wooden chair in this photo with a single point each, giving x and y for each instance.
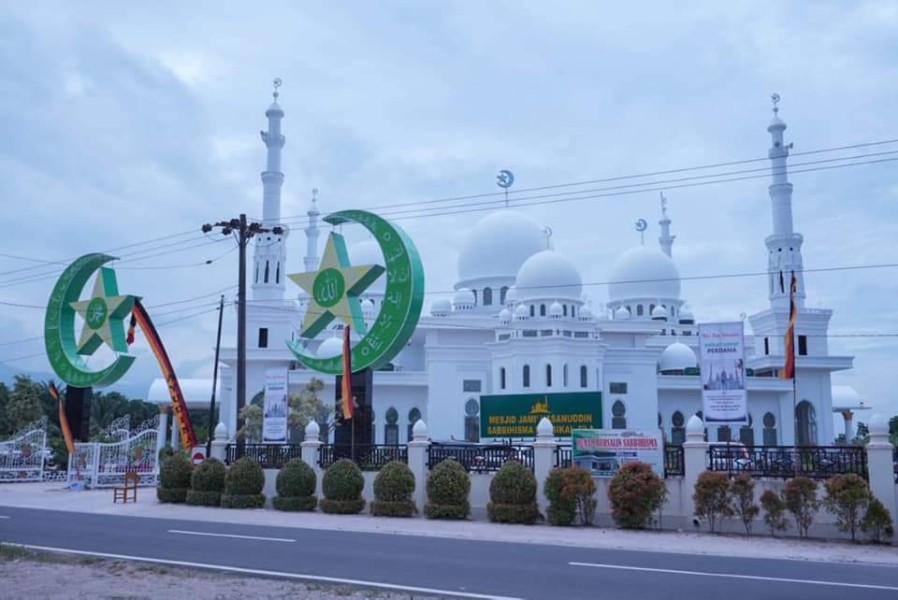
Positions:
(129, 490)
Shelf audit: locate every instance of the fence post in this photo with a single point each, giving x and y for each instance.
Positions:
(417, 462)
(695, 457)
(879, 465)
(220, 442)
(161, 437)
(311, 446)
(543, 459)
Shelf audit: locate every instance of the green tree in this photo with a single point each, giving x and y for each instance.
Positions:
(5, 428)
(893, 430)
(302, 408)
(24, 404)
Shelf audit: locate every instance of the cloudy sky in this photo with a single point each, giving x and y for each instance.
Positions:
(125, 129)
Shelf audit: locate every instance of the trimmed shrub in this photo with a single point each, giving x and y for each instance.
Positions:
(800, 495)
(571, 493)
(165, 453)
(877, 522)
(393, 489)
(712, 498)
(513, 495)
(847, 497)
(774, 511)
(635, 493)
(174, 479)
(448, 487)
(742, 493)
(243, 485)
(342, 485)
(295, 487)
(206, 483)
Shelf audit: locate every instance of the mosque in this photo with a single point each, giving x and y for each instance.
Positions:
(518, 323)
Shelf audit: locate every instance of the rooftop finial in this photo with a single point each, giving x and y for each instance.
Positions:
(775, 98)
(277, 84)
(547, 231)
(314, 195)
(641, 226)
(663, 205)
(505, 179)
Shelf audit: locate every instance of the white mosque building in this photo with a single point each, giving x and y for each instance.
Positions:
(518, 323)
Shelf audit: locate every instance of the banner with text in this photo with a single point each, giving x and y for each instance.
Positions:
(722, 351)
(605, 451)
(516, 415)
(274, 409)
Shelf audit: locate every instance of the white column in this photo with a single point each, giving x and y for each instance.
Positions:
(543, 459)
(879, 465)
(220, 442)
(417, 462)
(161, 436)
(311, 446)
(695, 461)
(175, 434)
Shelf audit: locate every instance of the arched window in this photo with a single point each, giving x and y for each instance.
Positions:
(391, 428)
(651, 308)
(472, 420)
(701, 416)
(747, 433)
(618, 415)
(807, 423)
(502, 294)
(542, 310)
(548, 375)
(564, 382)
(769, 429)
(487, 296)
(564, 309)
(475, 296)
(677, 431)
(266, 272)
(414, 415)
(526, 376)
(532, 310)
(583, 376)
(639, 310)
(501, 378)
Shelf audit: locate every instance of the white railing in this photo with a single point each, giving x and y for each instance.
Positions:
(97, 464)
(22, 457)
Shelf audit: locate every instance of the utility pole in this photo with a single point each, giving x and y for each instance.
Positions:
(245, 231)
(214, 380)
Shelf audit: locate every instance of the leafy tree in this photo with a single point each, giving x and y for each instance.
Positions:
(893, 430)
(5, 428)
(712, 498)
(302, 408)
(862, 436)
(774, 511)
(24, 404)
(742, 492)
(847, 497)
(800, 496)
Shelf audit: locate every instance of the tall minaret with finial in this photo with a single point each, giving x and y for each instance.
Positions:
(312, 231)
(270, 258)
(666, 240)
(783, 245)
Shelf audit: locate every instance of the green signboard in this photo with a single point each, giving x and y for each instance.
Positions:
(516, 415)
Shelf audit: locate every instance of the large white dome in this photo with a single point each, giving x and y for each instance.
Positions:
(549, 275)
(677, 357)
(498, 245)
(369, 253)
(644, 273)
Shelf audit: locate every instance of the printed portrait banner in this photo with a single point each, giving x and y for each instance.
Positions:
(722, 351)
(605, 451)
(274, 407)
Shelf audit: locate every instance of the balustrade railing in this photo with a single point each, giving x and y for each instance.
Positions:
(815, 462)
(479, 459)
(562, 456)
(270, 456)
(673, 461)
(368, 457)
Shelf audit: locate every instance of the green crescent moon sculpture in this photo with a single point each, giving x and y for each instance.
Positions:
(103, 315)
(403, 296)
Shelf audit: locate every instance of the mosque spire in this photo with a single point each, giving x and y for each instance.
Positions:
(312, 231)
(666, 240)
(784, 244)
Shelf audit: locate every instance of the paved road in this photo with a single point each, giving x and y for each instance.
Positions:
(490, 569)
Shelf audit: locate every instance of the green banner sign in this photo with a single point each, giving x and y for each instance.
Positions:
(516, 415)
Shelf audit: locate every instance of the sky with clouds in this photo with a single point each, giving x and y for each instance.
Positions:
(122, 125)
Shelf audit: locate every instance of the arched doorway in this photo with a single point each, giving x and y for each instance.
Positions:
(806, 418)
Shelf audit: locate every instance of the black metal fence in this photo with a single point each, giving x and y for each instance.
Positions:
(270, 456)
(895, 462)
(479, 458)
(369, 457)
(815, 462)
(673, 461)
(562, 456)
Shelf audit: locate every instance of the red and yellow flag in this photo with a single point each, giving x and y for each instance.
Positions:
(346, 387)
(788, 371)
(63, 420)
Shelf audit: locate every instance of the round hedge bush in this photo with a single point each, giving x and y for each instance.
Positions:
(206, 483)
(243, 485)
(174, 479)
(571, 493)
(295, 487)
(342, 485)
(447, 492)
(393, 489)
(513, 495)
(635, 493)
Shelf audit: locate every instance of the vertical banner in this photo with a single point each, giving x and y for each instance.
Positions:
(722, 350)
(274, 408)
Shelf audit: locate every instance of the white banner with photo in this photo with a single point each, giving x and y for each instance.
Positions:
(722, 352)
(274, 407)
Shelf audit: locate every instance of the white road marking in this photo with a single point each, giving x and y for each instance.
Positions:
(866, 586)
(231, 535)
(3, 517)
(281, 574)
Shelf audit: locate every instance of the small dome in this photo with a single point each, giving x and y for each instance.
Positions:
(776, 124)
(556, 309)
(441, 307)
(695, 426)
(521, 312)
(621, 313)
(677, 357)
(549, 274)
(686, 316)
(845, 397)
(498, 245)
(644, 273)
(504, 315)
(659, 313)
(464, 298)
(332, 346)
(368, 307)
(511, 296)
(369, 253)
(274, 109)
(586, 313)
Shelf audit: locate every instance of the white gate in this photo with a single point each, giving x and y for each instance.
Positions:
(22, 457)
(97, 465)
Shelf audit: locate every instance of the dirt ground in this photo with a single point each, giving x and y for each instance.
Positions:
(26, 574)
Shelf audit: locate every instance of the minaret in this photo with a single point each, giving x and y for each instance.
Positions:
(784, 245)
(270, 256)
(312, 231)
(666, 240)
